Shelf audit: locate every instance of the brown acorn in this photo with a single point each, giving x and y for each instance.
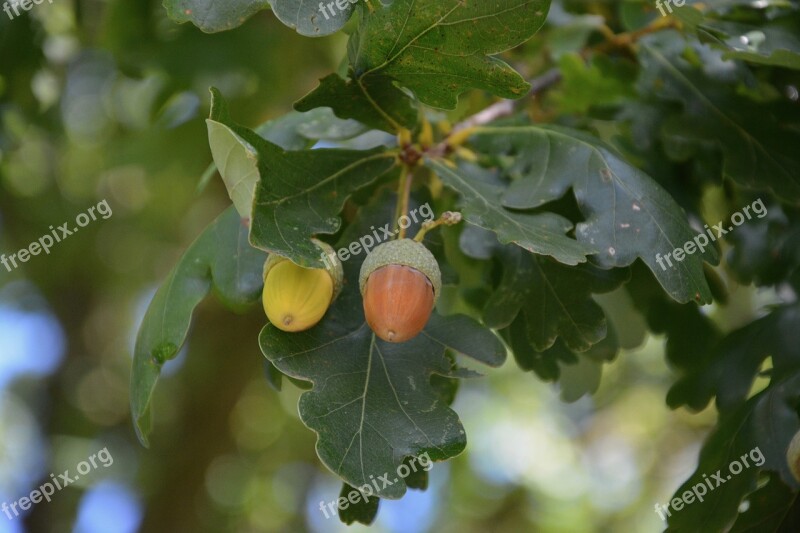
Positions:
(400, 282)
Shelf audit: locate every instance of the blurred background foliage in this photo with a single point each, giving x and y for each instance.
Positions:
(106, 100)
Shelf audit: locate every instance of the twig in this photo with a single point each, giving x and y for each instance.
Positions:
(403, 198)
(448, 218)
(553, 76)
(504, 108)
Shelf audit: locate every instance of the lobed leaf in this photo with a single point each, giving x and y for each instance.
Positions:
(627, 214)
(437, 49)
(377, 103)
(735, 361)
(220, 258)
(557, 300)
(213, 15)
(767, 421)
(236, 159)
(543, 233)
(373, 404)
(757, 145)
(312, 19)
(441, 48)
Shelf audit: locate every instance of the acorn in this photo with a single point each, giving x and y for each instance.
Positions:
(400, 281)
(296, 298)
(793, 456)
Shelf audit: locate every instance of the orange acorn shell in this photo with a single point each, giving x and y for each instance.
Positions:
(398, 301)
(400, 281)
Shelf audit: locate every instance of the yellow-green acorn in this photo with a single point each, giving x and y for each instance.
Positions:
(400, 282)
(296, 298)
(793, 456)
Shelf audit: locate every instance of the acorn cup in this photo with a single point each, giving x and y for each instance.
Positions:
(400, 282)
(296, 298)
(793, 456)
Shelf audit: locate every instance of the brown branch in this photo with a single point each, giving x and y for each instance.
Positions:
(541, 83)
(504, 108)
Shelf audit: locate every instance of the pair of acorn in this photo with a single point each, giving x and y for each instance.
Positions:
(400, 282)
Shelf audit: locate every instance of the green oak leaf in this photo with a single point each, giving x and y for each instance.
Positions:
(213, 15)
(438, 49)
(691, 334)
(556, 299)
(321, 124)
(302, 193)
(237, 160)
(220, 258)
(768, 506)
(298, 193)
(758, 149)
(550, 364)
(377, 103)
(441, 48)
(766, 251)
(767, 421)
(363, 511)
(774, 43)
(372, 404)
(628, 215)
(769, 44)
(541, 233)
(365, 508)
(734, 363)
(308, 18)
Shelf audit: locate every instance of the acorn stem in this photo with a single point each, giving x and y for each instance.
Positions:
(403, 198)
(448, 218)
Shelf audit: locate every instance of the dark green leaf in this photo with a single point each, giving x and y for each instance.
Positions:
(543, 234)
(579, 373)
(237, 159)
(557, 299)
(213, 15)
(312, 19)
(364, 510)
(760, 430)
(372, 404)
(628, 215)
(377, 103)
(758, 150)
(301, 194)
(768, 506)
(220, 258)
(774, 43)
(729, 373)
(441, 48)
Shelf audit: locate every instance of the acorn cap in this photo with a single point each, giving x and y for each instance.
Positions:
(405, 252)
(793, 456)
(332, 264)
